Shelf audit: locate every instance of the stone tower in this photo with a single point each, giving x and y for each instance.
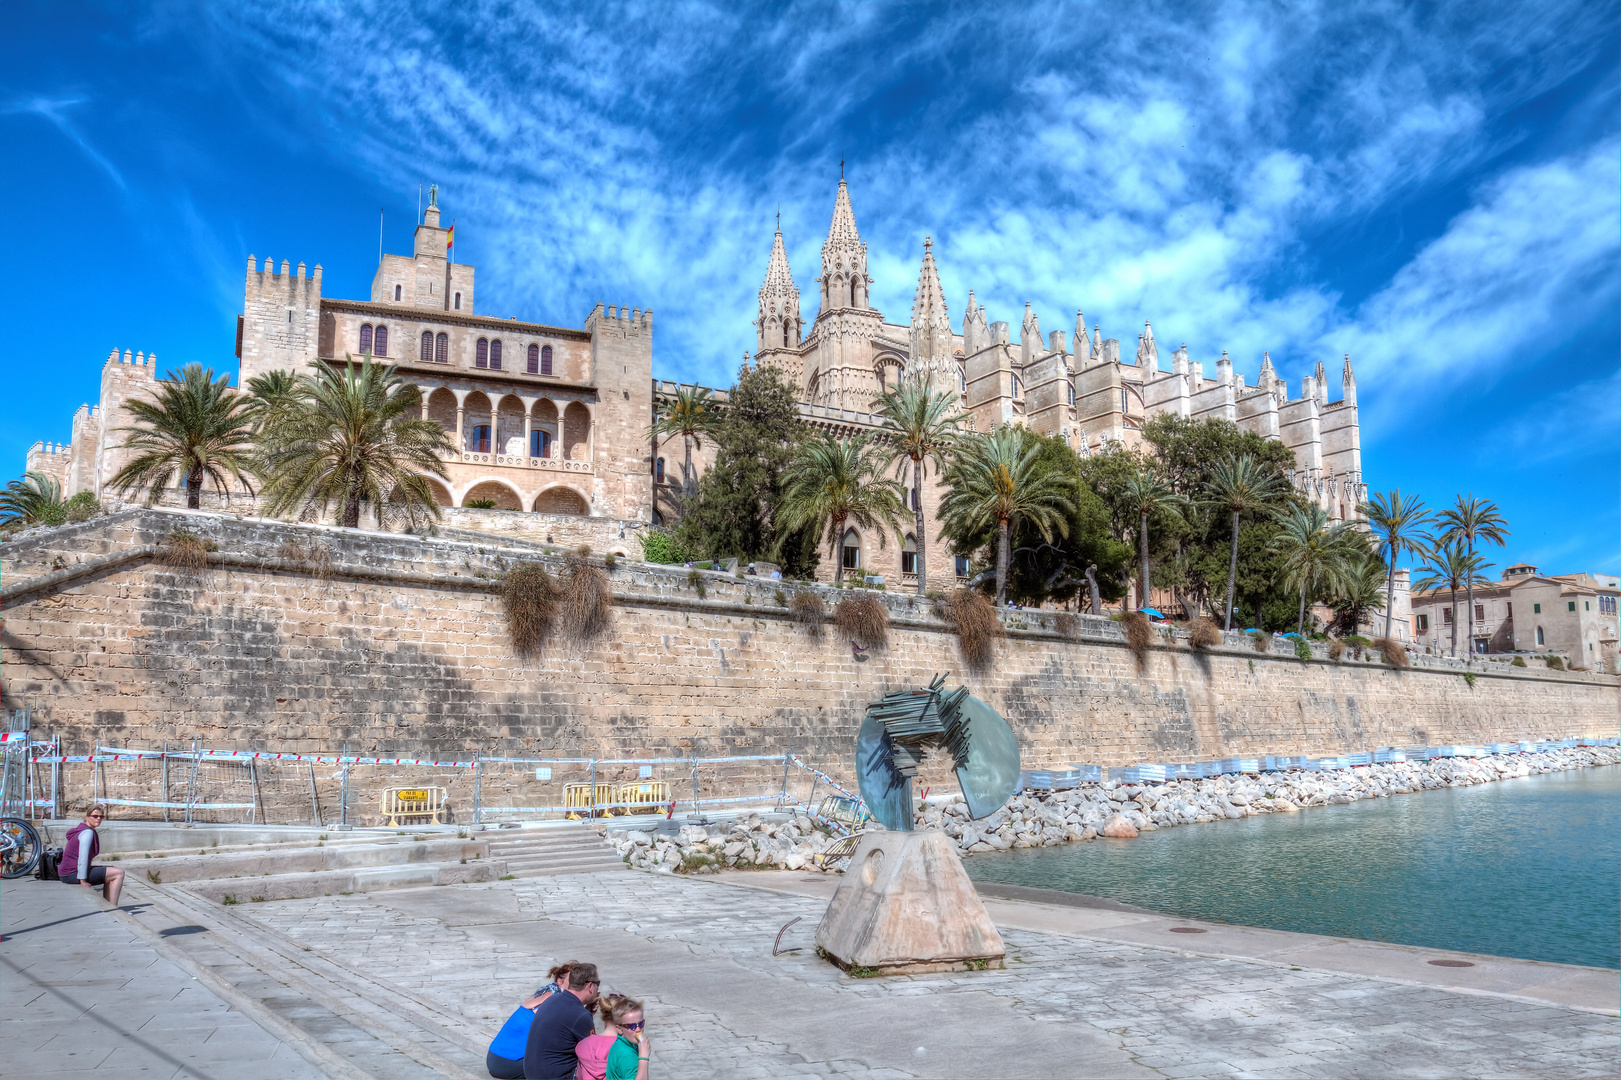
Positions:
(839, 360)
(778, 324)
(930, 339)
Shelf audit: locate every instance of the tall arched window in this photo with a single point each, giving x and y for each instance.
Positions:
(786, 328)
(546, 360)
(365, 338)
(396, 293)
(379, 341)
(540, 443)
(495, 355)
(533, 366)
(427, 346)
(658, 471)
(458, 301)
(441, 349)
(482, 357)
(851, 550)
(1125, 402)
(909, 556)
(1071, 388)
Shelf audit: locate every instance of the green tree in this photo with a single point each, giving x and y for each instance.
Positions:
(838, 481)
(196, 426)
(1397, 523)
(1146, 492)
(36, 499)
(1316, 556)
(734, 510)
(1449, 565)
(269, 395)
(921, 426)
(1059, 566)
(1472, 521)
(1239, 485)
(354, 435)
(691, 415)
(1000, 478)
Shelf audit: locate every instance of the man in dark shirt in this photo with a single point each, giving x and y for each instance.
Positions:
(559, 1026)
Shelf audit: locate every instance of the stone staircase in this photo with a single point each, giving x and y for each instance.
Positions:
(563, 848)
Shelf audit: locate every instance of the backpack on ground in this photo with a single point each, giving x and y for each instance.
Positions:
(49, 859)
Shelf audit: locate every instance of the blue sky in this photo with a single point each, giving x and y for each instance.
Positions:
(1433, 188)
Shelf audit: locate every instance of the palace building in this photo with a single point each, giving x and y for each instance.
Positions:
(553, 421)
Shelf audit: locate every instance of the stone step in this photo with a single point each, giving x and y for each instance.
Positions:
(298, 886)
(542, 867)
(311, 859)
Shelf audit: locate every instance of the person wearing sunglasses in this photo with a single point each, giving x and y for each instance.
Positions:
(79, 851)
(622, 1051)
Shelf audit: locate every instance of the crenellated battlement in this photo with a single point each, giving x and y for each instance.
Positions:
(628, 321)
(147, 363)
(269, 274)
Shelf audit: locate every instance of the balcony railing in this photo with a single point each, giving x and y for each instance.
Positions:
(521, 461)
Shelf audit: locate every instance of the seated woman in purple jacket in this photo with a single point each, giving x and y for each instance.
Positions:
(80, 851)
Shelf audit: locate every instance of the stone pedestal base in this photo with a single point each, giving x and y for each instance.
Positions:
(905, 905)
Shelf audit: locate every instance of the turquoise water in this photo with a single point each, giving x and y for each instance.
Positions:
(1528, 868)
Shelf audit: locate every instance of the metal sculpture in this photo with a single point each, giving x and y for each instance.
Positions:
(900, 727)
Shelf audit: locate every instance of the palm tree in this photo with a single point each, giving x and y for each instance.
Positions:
(690, 415)
(1397, 523)
(353, 434)
(1471, 521)
(921, 426)
(36, 499)
(1361, 590)
(999, 478)
(1145, 492)
(1314, 554)
(270, 395)
(838, 481)
(1450, 566)
(1240, 485)
(198, 427)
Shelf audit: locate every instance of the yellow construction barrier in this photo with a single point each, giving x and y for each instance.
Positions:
(414, 806)
(582, 797)
(644, 797)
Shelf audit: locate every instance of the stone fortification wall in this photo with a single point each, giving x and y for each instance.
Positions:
(403, 648)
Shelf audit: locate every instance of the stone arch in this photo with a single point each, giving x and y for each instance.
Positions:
(509, 426)
(477, 413)
(561, 499)
(890, 369)
(848, 543)
(577, 431)
(544, 418)
(505, 497)
(441, 494)
(442, 407)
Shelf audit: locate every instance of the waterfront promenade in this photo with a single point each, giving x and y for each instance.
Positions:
(412, 983)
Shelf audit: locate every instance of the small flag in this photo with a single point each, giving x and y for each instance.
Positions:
(450, 237)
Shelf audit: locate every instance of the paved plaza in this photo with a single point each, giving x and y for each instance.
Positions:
(414, 982)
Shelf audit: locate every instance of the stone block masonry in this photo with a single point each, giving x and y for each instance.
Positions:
(403, 648)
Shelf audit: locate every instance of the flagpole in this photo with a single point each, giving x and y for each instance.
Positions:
(379, 236)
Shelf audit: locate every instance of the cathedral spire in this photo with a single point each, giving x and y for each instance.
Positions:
(844, 258)
(777, 322)
(930, 338)
(1147, 351)
(1082, 345)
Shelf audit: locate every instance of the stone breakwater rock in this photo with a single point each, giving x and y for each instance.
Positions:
(748, 842)
(1119, 827)
(1046, 819)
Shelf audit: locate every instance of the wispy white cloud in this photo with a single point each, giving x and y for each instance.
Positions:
(55, 110)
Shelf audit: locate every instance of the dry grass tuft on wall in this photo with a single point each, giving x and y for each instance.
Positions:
(974, 618)
(185, 552)
(585, 603)
(809, 612)
(1204, 634)
(1068, 624)
(530, 597)
(1139, 636)
(290, 551)
(1395, 652)
(1336, 649)
(1261, 640)
(319, 555)
(863, 620)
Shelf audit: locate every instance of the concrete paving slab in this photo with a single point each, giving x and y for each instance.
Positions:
(84, 991)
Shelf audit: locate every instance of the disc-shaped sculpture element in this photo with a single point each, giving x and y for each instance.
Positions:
(899, 728)
(991, 775)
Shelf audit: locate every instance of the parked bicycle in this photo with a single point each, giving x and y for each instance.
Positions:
(20, 848)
